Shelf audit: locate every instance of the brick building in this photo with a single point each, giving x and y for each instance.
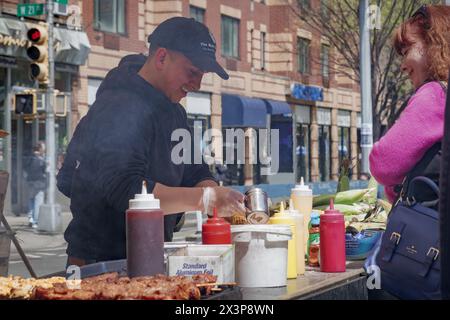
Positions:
(280, 78)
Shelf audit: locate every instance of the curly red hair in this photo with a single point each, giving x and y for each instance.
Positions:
(434, 29)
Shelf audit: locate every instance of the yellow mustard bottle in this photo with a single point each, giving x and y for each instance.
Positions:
(287, 219)
(299, 244)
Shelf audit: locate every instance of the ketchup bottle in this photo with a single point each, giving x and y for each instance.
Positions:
(145, 235)
(332, 240)
(216, 230)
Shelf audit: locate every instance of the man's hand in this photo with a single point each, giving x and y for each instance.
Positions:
(227, 201)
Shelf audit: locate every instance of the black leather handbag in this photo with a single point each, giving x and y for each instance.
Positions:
(409, 255)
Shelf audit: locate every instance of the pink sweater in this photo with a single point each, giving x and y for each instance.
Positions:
(419, 126)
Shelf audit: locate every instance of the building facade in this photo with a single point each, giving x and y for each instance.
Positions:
(280, 78)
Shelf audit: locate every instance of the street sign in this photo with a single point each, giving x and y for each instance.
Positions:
(30, 9)
(61, 1)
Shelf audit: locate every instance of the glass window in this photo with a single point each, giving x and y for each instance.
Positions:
(284, 125)
(234, 172)
(93, 85)
(197, 13)
(302, 152)
(62, 81)
(200, 123)
(263, 50)
(20, 76)
(110, 15)
(324, 153)
(325, 51)
(230, 37)
(343, 143)
(303, 55)
(305, 4)
(324, 8)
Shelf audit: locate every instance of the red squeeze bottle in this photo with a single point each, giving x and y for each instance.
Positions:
(145, 235)
(332, 240)
(216, 230)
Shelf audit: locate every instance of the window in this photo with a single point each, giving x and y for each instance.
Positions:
(197, 13)
(325, 61)
(343, 122)
(110, 15)
(263, 50)
(93, 85)
(324, 8)
(304, 4)
(303, 55)
(324, 153)
(302, 152)
(198, 124)
(230, 37)
(284, 125)
(344, 144)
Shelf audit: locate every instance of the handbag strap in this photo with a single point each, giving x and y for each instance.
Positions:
(418, 170)
(422, 180)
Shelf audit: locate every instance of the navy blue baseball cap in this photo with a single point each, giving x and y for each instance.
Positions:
(191, 38)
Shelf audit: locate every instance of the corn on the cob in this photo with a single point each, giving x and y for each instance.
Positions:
(386, 205)
(323, 199)
(344, 208)
(350, 196)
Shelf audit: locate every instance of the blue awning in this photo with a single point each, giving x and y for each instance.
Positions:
(278, 107)
(243, 112)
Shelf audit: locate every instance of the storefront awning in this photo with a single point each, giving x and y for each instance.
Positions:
(71, 46)
(278, 107)
(243, 112)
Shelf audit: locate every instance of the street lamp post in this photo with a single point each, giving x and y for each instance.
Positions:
(50, 212)
(366, 92)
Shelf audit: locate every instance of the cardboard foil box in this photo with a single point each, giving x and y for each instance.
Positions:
(195, 259)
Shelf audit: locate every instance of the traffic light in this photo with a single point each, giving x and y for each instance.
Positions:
(38, 52)
(25, 103)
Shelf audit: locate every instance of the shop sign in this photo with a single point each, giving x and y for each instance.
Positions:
(10, 41)
(308, 93)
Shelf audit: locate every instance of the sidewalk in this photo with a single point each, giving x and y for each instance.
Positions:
(30, 239)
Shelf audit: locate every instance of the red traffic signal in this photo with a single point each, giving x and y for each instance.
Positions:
(37, 35)
(38, 52)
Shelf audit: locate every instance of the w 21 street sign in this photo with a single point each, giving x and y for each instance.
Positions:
(33, 9)
(30, 9)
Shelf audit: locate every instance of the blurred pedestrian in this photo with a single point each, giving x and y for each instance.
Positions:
(36, 179)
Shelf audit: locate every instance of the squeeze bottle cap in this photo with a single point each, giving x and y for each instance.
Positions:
(281, 213)
(302, 188)
(315, 218)
(332, 214)
(292, 210)
(216, 230)
(144, 200)
(215, 219)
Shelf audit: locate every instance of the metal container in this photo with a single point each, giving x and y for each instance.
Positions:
(257, 203)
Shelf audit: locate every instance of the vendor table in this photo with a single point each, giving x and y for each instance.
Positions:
(316, 285)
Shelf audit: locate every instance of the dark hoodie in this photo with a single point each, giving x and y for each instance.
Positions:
(124, 138)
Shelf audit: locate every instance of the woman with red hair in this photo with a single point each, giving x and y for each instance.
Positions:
(423, 42)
